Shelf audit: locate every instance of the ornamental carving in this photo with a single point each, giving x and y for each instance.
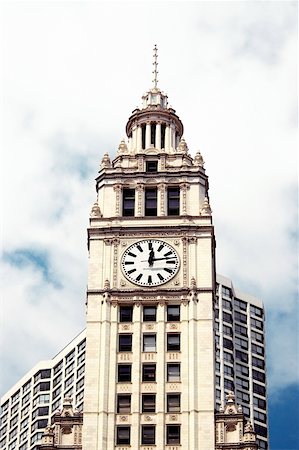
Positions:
(148, 418)
(140, 190)
(117, 188)
(123, 418)
(184, 187)
(161, 188)
(173, 417)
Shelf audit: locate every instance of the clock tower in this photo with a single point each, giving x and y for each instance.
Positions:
(149, 380)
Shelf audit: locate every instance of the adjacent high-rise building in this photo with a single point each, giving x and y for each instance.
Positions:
(165, 341)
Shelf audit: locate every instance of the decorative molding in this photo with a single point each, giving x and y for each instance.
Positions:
(117, 189)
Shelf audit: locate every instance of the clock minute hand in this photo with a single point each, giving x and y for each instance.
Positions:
(165, 257)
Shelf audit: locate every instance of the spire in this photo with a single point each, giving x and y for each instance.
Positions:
(155, 64)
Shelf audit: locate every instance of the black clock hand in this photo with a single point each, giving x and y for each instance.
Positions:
(151, 258)
(166, 257)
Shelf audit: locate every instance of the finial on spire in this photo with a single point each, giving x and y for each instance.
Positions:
(155, 64)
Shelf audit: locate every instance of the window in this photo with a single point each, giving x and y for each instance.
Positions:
(124, 403)
(173, 201)
(82, 346)
(257, 349)
(241, 343)
(173, 434)
(14, 409)
(81, 358)
(226, 291)
(148, 434)
(42, 386)
(242, 370)
(242, 356)
(228, 357)
(14, 421)
(173, 342)
(41, 399)
(148, 403)
(243, 397)
(15, 397)
(26, 387)
(257, 337)
(46, 373)
(57, 379)
(124, 373)
(150, 208)
(58, 367)
(125, 313)
(128, 202)
(25, 399)
(259, 402)
(240, 304)
(262, 445)
(80, 371)
(151, 166)
(149, 372)
(227, 304)
(125, 343)
(255, 323)
(240, 317)
(256, 362)
(261, 417)
(227, 343)
(228, 371)
(173, 403)
(227, 317)
(228, 330)
(262, 431)
(242, 384)
(240, 329)
(122, 435)
(228, 384)
(173, 372)
(70, 357)
(70, 368)
(173, 313)
(149, 342)
(217, 366)
(149, 313)
(43, 411)
(69, 381)
(258, 389)
(256, 311)
(259, 376)
(56, 392)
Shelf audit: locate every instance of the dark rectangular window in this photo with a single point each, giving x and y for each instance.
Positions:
(148, 403)
(173, 434)
(229, 385)
(259, 376)
(242, 384)
(125, 313)
(124, 403)
(163, 128)
(151, 166)
(262, 431)
(125, 343)
(242, 370)
(227, 343)
(240, 329)
(241, 356)
(173, 201)
(227, 317)
(173, 372)
(153, 134)
(148, 433)
(228, 370)
(258, 389)
(173, 403)
(259, 402)
(149, 313)
(149, 372)
(255, 323)
(240, 317)
(122, 435)
(173, 342)
(124, 372)
(173, 313)
(150, 202)
(240, 304)
(256, 311)
(256, 362)
(257, 349)
(128, 202)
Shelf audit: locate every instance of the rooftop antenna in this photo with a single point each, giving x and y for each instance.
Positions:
(155, 64)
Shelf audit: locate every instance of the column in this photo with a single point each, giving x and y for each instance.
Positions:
(158, 136)
(134, 137)
(139, 138)
(167, 138)
(148, 135)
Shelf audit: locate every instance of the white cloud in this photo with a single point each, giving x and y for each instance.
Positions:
(73, 74)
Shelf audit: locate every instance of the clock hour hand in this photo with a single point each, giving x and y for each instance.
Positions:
(151, 258)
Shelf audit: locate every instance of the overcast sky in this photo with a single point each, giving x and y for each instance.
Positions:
(73, 73)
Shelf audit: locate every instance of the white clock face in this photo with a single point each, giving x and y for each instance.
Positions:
(150, 262)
